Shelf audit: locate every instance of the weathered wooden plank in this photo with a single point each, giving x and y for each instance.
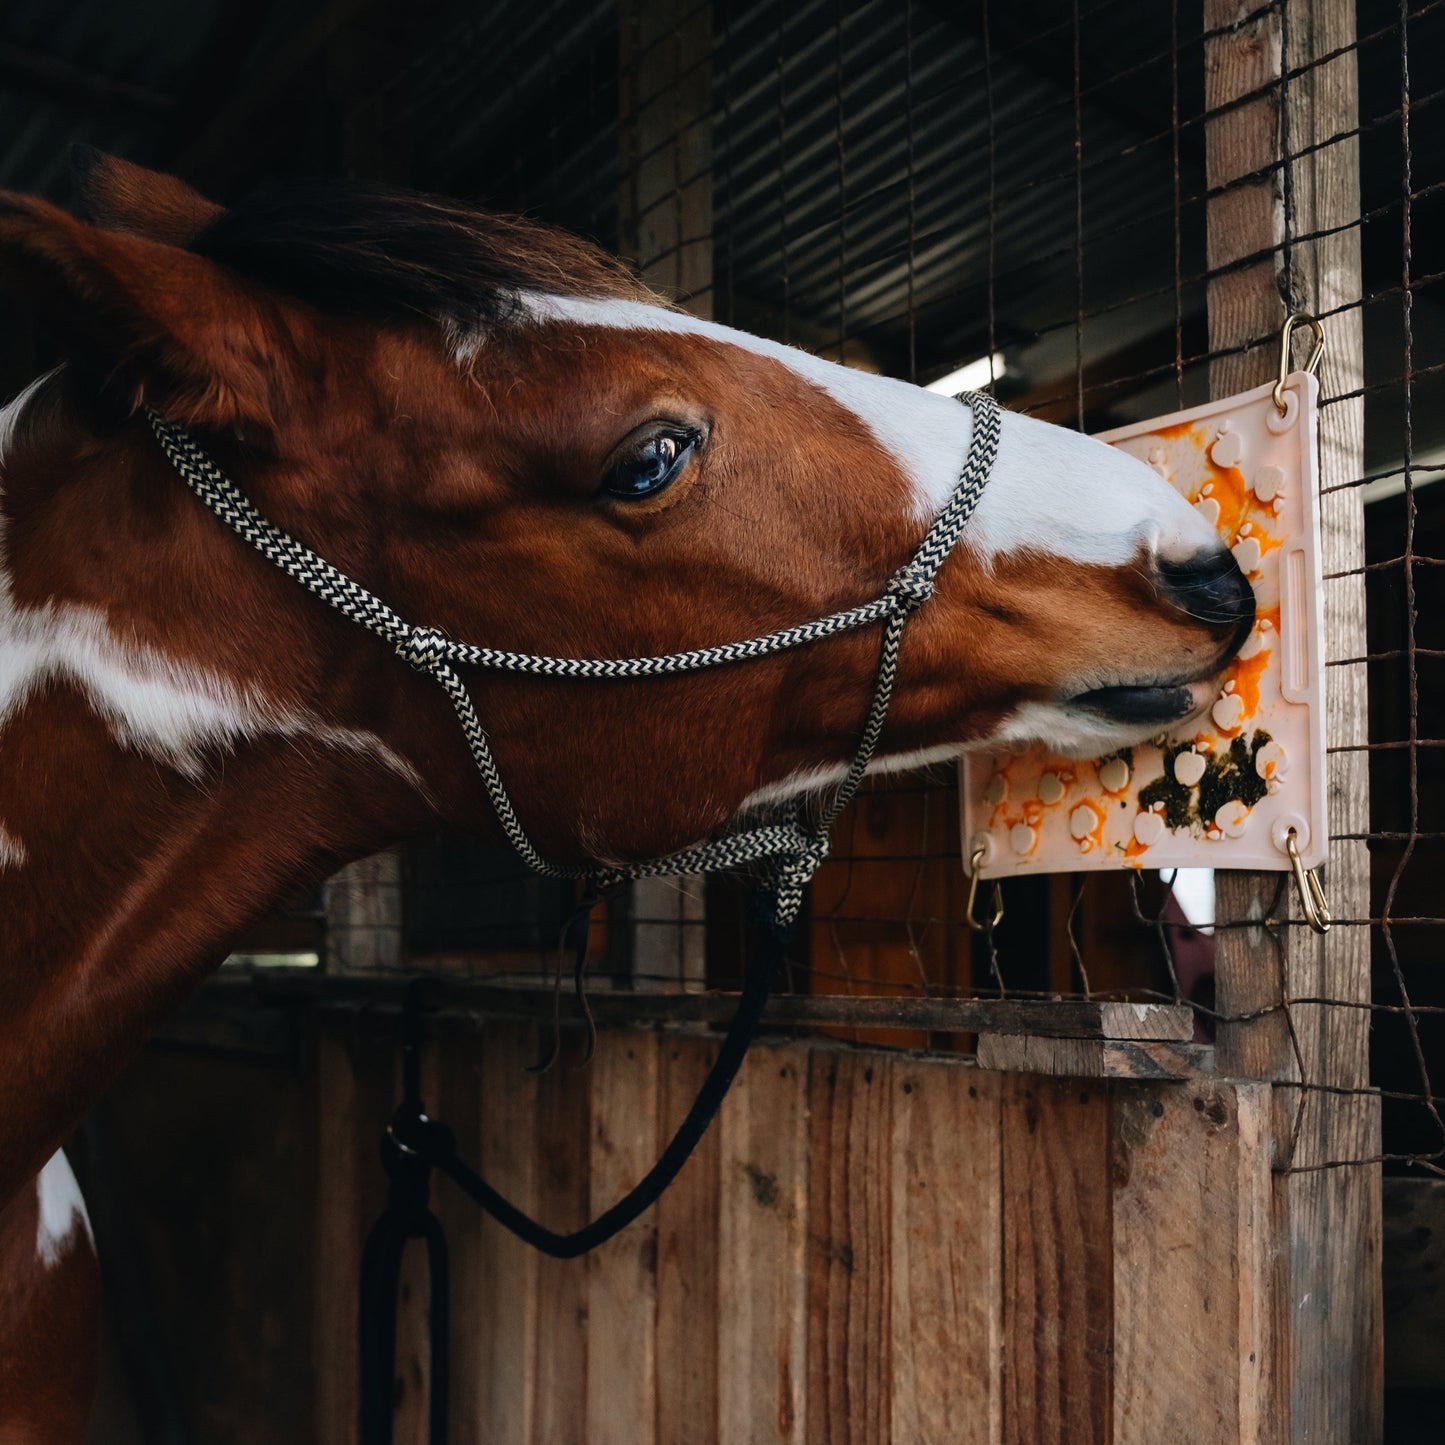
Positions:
(357, 1088)
(363, 915)
(1245, 217)
(1414, 1282)
(762, 1234)
(201, 1176)
(947, 1254)
(1054, 1018)
(849, 1285)
(1094, 1058)
(668, 942)
(687, 1260)
(1192, 1262)
(665, 133)
(561, 1145)
(341, 1159)
(1332, 1360)
(622, 1274)
(1327, 1365)
(504, 1275)
(1336, 1337)
(1058, 1262)
(1325, 275)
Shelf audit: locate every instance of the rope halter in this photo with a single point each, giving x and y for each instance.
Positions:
(792, 847)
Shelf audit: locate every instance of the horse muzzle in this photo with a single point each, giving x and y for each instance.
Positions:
(1210, 590)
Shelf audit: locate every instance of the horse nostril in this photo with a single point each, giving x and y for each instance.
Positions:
(1210, 587)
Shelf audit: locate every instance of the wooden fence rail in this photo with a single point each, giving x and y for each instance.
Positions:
(868, 1247)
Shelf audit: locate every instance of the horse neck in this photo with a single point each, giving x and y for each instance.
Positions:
(150, 807)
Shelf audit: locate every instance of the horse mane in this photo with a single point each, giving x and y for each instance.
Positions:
(359, 248)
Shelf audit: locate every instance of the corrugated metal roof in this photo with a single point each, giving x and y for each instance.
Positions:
(882, 170)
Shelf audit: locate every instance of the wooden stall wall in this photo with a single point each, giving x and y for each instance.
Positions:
(869, 1247)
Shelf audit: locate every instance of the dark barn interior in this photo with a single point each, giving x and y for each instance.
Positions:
(905, 186)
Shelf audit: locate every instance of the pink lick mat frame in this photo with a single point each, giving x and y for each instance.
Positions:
(1224, 792)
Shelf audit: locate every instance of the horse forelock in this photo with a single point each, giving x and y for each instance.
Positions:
(371, 250)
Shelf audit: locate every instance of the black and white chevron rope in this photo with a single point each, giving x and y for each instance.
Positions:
(794, 848)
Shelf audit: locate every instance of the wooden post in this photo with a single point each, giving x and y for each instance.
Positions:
(665, 92)
(363, 916)
(1324, 1376)
(665, 220)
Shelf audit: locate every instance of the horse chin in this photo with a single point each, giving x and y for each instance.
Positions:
(1096, 722)
(1151, 707)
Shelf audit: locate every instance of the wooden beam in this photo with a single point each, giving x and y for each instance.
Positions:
(1058, 1261)
(946, 1255)
(379, 996)
(363, 916)
(1245, 309)
(1192, 1268)
(1324, 1376)
(762, 1217)
(849, 1265)
(665, 98)
(1094, 1058)
(626, 1285)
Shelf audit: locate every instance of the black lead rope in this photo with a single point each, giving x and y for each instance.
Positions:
(413, 1145)
(407, 1216)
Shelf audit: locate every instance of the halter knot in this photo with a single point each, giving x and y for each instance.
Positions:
(797, 872)
(423, 648)
(910, 588)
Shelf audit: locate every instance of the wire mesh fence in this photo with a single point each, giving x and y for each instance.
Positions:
(1033, 193)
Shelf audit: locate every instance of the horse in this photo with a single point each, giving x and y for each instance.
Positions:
(499, 429)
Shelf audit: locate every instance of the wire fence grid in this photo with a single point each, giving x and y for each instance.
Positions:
(907, 188)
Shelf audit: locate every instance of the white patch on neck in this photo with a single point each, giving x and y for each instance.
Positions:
(1051, 490)
(180, 714)
(12, 850)
(61, 1210)
(814, 780)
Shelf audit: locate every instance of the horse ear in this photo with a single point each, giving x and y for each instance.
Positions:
(117, 195)
(167, 328)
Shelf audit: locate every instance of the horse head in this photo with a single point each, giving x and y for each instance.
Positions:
(494, 427)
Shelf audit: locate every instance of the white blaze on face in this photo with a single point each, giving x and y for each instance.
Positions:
(1058, 492)
(61, 1211)
(1051, 490)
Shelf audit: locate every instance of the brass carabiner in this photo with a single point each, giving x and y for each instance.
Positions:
(1311, 895)
(975, 863)
(1299, 318)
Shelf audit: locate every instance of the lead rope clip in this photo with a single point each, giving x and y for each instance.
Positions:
(1299, 318)
(1306, 881)
(975, 868)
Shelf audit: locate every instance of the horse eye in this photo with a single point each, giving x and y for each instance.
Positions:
(651, 464)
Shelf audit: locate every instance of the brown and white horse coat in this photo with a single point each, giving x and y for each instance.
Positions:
(431, 398)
